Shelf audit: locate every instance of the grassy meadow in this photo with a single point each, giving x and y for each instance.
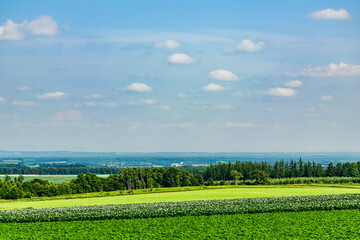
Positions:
(207, 194)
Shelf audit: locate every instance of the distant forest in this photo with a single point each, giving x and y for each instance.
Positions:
(142, 178)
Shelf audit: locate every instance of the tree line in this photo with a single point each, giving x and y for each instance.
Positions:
(281, 169)
(55, 169)
(141, 178)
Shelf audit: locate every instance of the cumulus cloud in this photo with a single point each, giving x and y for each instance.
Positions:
(44, 25)
(248, 45)
(25, 104)
(332, 70)
(223, 75)
(52, 95)
(71, 115)
(2, 100)
(294, 83)
(240, 124)
(327, 98)
(24, 88)
(180, 58)
(280, 92)
(330, 14)
(213, 88)
(169, 44)
(139, 87)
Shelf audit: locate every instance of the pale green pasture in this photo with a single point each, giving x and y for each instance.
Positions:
(50, 178)
(240, 192)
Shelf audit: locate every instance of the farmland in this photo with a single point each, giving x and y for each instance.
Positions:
(339, 224)
(208, 194)
(50, 178)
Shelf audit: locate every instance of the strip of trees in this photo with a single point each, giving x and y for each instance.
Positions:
(141, 178)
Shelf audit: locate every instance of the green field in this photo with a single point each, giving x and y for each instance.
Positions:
(51, 178)
(227, 193)
(339, 224)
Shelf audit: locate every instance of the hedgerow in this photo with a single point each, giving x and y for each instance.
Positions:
(189, 208)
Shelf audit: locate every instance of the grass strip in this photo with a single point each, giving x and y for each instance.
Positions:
(188, 208)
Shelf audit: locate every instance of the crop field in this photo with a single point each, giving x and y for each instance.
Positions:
(50, 178)
(339, 224)
(191, 208)
(226, 193)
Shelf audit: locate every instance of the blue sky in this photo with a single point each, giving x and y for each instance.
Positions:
(145, 76)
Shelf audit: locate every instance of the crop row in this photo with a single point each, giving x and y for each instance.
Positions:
(190, 208)
(339, 224)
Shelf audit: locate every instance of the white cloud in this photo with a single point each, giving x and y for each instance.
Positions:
(330, 14)
(223, 75)
(71, 115)
(332, 70)
(52, 95)
(139, 87)
(145, 101)
(213, 88)
(44, 25)
(180, 58)
(169, 44)
(24, 88)
(223, 107)
(247, 45)
(237, 94)
(294, 83)
(327, 98)
(240, 124)
(25, 103)
(10, 31)
(280, 92)
(2, 100)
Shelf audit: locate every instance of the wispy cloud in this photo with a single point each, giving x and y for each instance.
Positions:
(70, 115)
(240, 124)
(332, 70)
(52, 95)
(25, 104)
(25, 88)
(248, 45)
(280, 92)
(327, 98)
(169, 44)
(294, 83)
